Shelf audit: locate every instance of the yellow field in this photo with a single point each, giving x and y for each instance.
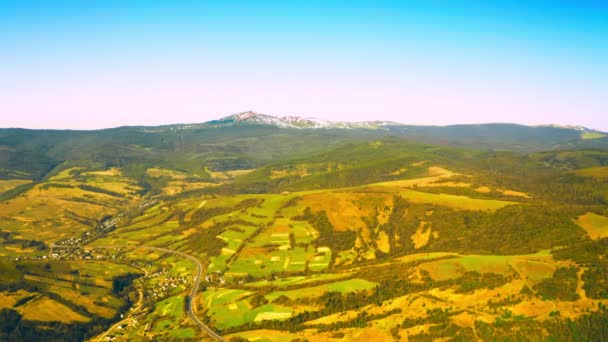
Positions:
(179, 180)
(238, 173)
(228, 175)
(343, 200)
(114, 171)
(454, 201)
(65, 174)
(176, 187)
(8, 299)
(59, 208)
(6, 185)
(341, 209)
(483, 189)
(263, 316)
(350, 334)
(514, 193)
(599, 172)
(46, 309)
(305, 169)
(423, 235)
(65, 290)
(595, 225)
(159, 172)
(436, 174)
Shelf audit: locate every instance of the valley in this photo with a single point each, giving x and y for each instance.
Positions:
(370, 238)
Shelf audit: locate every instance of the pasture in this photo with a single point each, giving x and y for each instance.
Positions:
(453, 268)
(598, 172)
(595, 225)
(49, 310)
(67, 204)
(345, 286)
(8, 184)
(297, 280)
(233, 307)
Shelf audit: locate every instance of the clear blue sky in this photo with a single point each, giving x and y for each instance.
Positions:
(93, 64)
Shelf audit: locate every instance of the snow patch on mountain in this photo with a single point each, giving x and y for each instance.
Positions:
(253, 118)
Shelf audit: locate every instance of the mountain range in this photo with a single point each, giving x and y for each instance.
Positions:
(249, 139)
(255, 226)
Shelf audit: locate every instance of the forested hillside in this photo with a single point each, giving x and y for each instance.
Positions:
(274, 233)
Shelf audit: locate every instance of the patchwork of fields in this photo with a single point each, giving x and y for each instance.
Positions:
(413, 258)
(65, 292)
(66, 205)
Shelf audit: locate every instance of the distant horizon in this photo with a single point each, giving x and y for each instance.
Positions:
(309, 117)
(92, 65)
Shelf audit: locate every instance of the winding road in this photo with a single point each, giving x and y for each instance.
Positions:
(191, 296)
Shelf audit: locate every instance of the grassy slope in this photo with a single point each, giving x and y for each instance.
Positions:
(265, 237)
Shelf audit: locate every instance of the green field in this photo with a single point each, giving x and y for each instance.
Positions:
(231, 308)
(240, 312)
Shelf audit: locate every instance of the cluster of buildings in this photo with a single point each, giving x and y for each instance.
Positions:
(163, 287)
(215, 277)
(110, 223)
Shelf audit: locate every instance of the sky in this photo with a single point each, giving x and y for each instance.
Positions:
(105, 63)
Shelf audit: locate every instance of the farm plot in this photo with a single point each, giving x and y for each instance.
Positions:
(234, 236)
(66, 292)
(173, 182)
(66, 205)
(298, 280)
(598, 172)
(168, 313)
(345, 286)
(453, 268)
(232, 307)
(261, 261)
(6, 185)
(278, 250)
(49, 310)
(279, 244)
(149, 235)
(595, 225)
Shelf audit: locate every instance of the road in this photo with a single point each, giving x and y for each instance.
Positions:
(136, 308)
(191, 296)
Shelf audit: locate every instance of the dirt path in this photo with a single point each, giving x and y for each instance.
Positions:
(579, 285)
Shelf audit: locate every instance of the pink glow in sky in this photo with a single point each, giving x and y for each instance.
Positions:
(68, 66)
(109, 100)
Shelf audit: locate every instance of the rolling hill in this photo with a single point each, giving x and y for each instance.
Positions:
(304, 229)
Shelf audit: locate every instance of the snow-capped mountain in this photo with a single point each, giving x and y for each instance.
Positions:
(253, 118)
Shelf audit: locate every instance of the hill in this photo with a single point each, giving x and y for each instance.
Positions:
(304, 231)
(249, 139)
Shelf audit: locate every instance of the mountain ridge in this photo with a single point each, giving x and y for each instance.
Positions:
(290, 121)
(249, 139)
(254, 118)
